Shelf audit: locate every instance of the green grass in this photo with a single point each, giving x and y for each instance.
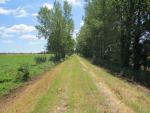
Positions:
(73, 90)
(133, 95)
(9, 64)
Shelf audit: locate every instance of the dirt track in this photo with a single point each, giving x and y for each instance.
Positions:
(22, 99)
(116, 105)
(72, 87)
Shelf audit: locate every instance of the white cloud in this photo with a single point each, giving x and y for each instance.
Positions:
(3, 1)
(49, 6)
(34, 43)
(34, 14)
(5, 11)
(75, 33)
(19, 12)
(82, 23)
(2, 28)
(3, 34)
(7, 41)
(15, 30)
(75, 2)
(20, 28)
(30, 37)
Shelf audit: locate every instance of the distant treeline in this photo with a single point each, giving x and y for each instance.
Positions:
(116, 34)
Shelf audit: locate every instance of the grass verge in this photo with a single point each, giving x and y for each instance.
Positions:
(133, 95)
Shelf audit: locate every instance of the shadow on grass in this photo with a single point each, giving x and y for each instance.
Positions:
(128, 74)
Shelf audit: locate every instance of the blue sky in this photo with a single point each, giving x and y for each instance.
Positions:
(17, 21)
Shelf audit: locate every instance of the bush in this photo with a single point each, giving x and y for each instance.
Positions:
(40, 59)
(23, 73)
(67, 56)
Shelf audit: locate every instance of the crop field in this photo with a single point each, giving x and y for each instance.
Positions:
(9, 64)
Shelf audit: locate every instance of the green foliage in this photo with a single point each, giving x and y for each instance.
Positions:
(99, 37)
(23, 73)
(40, 59)
(84, 44)
(112, 32)
(57, 25)
(10, 63)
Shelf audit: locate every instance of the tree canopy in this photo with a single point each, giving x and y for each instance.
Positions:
(112, 32)
(56, 25)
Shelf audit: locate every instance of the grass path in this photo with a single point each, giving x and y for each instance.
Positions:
(116, 105)
(72, 91)
(134, 96)
(77, 86)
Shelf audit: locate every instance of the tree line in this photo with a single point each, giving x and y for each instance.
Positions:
(116, 34)
(56, 25)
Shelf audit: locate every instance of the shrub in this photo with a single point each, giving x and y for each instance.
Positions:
(23, 73)
(67, 56)
(40, 59)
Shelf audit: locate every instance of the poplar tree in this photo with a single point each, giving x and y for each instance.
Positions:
(56, 25)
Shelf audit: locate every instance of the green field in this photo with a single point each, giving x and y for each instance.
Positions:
(9, 64)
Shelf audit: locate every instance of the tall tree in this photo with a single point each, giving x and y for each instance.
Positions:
(114, 29)
(56, 25)
(69, 28)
